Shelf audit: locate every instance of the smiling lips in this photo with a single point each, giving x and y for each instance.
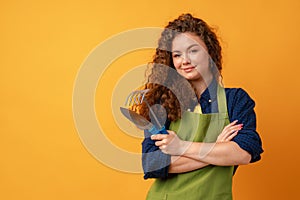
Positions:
(188, 69)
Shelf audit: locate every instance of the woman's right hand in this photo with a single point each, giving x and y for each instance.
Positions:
(229, 132)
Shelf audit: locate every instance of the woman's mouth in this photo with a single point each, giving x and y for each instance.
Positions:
(188, 69)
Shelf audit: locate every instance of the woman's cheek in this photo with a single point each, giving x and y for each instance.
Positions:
(176, 64)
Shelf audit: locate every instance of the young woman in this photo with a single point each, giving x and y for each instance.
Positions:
(211, 130)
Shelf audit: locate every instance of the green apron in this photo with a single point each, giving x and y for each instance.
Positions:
(208, 183)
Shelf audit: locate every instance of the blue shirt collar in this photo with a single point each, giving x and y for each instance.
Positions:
(210, 93)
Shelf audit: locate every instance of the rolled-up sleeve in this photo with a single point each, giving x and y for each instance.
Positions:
(242, 109)
(155, 162)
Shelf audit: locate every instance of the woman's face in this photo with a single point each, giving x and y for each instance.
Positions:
(190, 57)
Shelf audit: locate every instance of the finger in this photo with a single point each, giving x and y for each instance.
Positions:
(162, 147)
(227, 127)
(234, 122)
(171, 132)
(226, 133)
(229, 138)
(220, 137)
(236, 128)
(232, 131)
(159, 143)
(231, 124)
(158, 137)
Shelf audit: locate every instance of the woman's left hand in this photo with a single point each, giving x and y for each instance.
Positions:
(170, 143)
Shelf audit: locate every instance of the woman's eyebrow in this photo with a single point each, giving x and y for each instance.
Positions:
(176, 51)
(191, 46)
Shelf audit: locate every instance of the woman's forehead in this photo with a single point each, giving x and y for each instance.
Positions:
(184, 40)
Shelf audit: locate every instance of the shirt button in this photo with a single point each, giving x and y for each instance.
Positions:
(209, 100)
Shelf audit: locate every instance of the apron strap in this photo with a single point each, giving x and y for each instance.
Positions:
(222, 103)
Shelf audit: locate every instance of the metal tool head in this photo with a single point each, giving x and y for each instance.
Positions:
(136, 97)
(137, 119)
(157, 113)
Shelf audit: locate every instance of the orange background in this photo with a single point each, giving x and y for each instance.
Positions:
(43, 45)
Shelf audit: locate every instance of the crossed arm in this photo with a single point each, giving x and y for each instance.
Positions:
(187, 156)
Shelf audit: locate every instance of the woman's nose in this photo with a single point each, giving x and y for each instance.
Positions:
(185, 59)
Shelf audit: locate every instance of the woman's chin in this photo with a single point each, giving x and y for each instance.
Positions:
(191, 76)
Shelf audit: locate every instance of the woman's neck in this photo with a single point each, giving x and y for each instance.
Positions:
(201, 84)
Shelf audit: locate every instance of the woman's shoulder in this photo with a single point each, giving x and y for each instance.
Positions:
(238, 96)
(236, 92)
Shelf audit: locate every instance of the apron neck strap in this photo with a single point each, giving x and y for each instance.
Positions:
(222, 103)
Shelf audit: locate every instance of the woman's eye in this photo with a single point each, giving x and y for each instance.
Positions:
(193, 50)
(176, 55)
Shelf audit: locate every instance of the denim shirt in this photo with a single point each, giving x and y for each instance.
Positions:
(240, 107)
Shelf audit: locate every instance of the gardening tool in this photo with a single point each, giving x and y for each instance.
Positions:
(135, 98)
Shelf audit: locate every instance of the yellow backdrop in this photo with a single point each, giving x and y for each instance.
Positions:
(43, 45)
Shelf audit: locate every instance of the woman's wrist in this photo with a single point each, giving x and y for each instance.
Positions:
(185, 148)
(197, 150)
